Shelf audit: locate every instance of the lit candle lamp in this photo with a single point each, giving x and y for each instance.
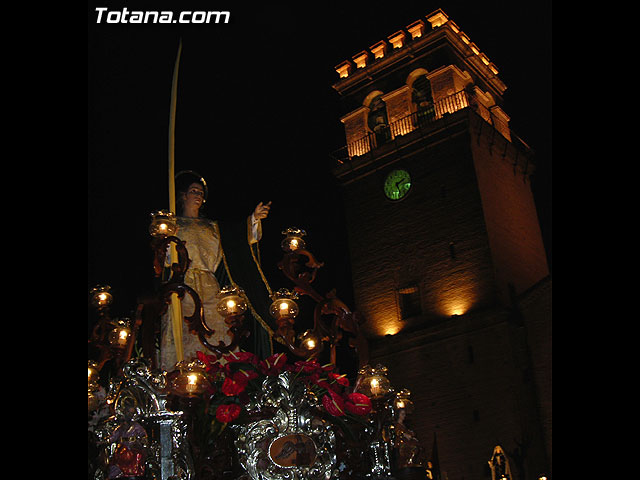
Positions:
(189, 379)
(119, 335)
(231, 307)
(122, 337)
(374, 386)
(163, 223)
(93, 386)
(100, 296)
(192, 383)
(309, 340)
(283, 305)
(373, 382)
(231, 302)
(293, 239)
(403, 401)
(94, 374)
(284, 310)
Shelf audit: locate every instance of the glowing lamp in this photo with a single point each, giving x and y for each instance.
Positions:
(309, 340)
(94, 374)
(402, 401)
(120, 334)
(373, 382)
(231, 302)
(284, 305)
(190, 379)
(293, 239)
(100, 296)
(93, 398)
(163, 223)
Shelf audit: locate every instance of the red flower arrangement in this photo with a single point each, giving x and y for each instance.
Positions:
(227, 413)
(333, 403)
(357, 403)
(241, 373)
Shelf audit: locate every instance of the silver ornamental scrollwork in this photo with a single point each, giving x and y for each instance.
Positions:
(168, 453)
(295, 443)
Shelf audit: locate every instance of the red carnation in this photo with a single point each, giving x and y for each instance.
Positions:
(333, 403)
(228, 413)
(358, 404)
(233, 386)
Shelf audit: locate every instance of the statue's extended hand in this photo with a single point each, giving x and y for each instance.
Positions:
(261, 211)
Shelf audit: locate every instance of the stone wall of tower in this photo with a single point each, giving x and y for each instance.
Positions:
(435, 238)
(509, 211)
(467, 387)
(477, 359)
(478, 378)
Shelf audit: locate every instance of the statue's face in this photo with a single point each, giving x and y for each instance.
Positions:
(402, 415)
(194, 198)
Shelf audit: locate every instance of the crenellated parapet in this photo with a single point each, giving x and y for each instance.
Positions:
(411, 39)
(415, 75)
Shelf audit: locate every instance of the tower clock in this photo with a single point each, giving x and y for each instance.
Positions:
(397, 184)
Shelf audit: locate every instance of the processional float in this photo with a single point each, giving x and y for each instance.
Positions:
(229, 414)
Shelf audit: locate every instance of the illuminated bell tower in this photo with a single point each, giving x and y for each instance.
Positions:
(448, 263)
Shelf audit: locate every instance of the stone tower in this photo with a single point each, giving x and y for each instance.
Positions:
(447, 258)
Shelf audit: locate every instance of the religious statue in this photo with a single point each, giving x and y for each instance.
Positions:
(221, 253)
(410, 457)
(130, 439)
(500, 469)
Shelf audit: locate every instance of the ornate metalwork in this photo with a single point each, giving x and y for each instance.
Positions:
(175, 284)
(101, 336)
(159, 246)
(293, 442)
(341, 318)
(168, 455)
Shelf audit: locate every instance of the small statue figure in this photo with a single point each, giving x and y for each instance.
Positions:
(410, 457)
(128, 459)
(499, 465)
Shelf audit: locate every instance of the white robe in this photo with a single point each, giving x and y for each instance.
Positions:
(202, 240)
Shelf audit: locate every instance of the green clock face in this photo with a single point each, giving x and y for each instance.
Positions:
(397, 184)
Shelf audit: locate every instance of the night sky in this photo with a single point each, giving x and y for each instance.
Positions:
(258, 118)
